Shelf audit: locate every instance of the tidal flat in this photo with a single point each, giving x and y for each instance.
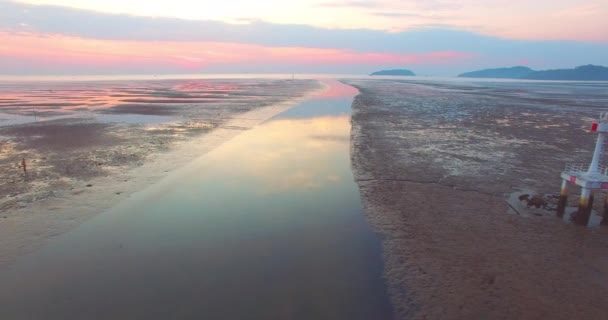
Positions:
(436, 164)
(90, 144)
(266, 226)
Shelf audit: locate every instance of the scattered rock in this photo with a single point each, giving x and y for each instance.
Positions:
(534, 201)
(537, 202)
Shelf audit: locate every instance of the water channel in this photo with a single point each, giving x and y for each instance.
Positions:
(267, 226)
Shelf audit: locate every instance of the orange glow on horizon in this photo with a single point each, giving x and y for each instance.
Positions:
(60, 49)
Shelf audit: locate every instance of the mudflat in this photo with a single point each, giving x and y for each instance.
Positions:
(111, 139)
(460, 179)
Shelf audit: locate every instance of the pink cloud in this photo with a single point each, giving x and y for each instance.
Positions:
(190, 56)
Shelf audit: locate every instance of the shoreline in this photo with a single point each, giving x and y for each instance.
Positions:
(29, 227)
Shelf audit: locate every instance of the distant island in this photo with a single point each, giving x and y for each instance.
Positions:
(393, 72)
(581, 73)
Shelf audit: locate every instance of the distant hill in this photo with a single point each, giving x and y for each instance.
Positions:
(582, 73)
(394, 72)
(506, 73)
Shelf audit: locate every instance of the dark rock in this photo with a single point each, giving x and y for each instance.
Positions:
(537, 202)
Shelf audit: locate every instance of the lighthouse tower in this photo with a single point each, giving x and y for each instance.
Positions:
(590, 178)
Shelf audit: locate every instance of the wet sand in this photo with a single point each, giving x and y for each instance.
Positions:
(436, 164)
(85, 163)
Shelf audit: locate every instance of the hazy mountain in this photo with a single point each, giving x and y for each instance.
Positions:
(585, 73)
(582, 73)
(393, 72)
(507, 73)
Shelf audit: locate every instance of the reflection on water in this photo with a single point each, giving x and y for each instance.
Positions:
(278, 164)
(135, 118)
(267, 226)
(119, 101)
(7, 119)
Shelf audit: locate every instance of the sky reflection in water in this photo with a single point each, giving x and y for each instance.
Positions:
(267, 226)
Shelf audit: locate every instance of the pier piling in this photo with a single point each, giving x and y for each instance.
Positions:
(563, 199)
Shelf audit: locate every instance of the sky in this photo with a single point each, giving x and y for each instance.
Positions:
(431, 37)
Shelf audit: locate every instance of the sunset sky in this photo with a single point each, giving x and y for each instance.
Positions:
(432, 37)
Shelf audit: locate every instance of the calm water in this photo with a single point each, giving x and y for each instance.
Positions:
(267, 226)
